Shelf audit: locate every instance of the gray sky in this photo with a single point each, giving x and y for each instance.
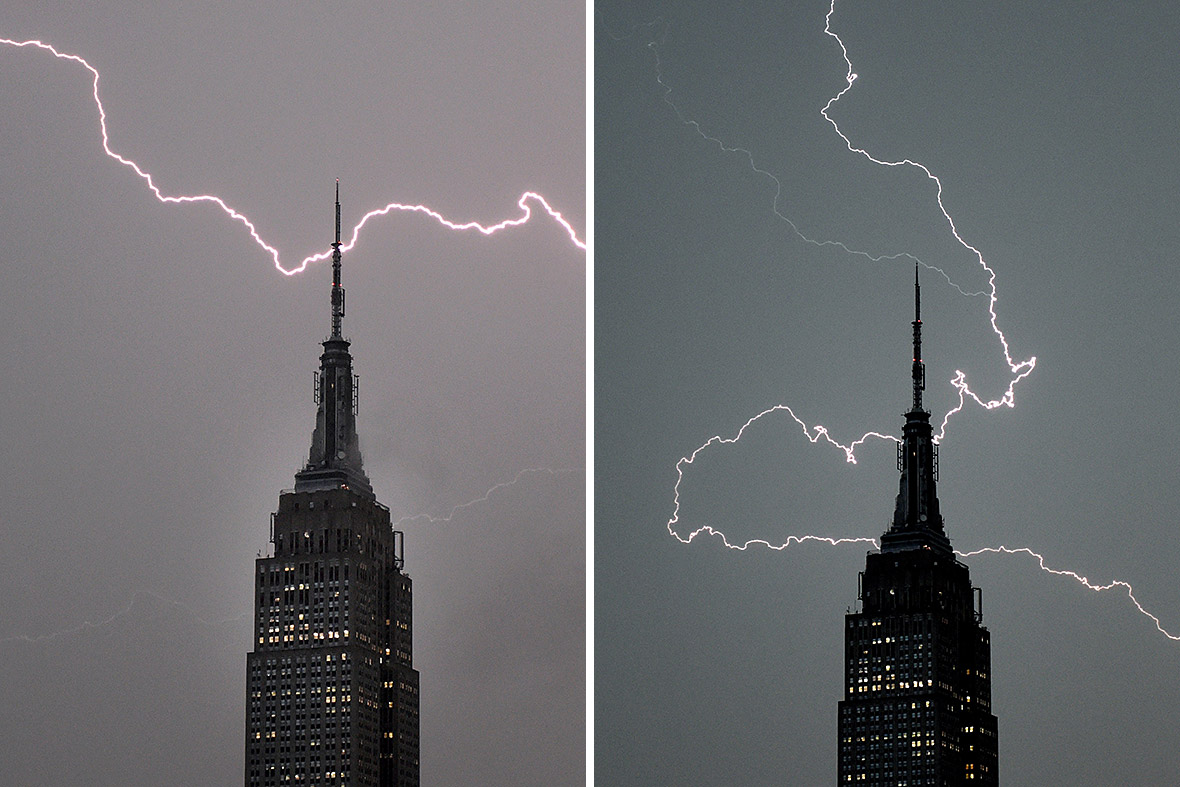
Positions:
(157, 394)
(1052, 127)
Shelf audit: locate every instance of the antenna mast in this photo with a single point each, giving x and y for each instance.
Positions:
(919, 367)
(337, 290)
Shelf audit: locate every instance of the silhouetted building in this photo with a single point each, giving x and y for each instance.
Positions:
(331, 691)
(917, 674)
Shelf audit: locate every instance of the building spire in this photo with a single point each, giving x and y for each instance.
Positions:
(917, 522)
(337, 290)
(335, 457)
(919, 370)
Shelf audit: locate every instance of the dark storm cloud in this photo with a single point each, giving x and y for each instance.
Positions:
(158, 392)
(1049, 127)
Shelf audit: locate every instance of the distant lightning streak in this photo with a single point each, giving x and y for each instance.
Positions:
(87, 625)
(486, 495)
(522, 203)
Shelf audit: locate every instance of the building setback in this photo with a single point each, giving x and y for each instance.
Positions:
(917, 659)
(331, 690)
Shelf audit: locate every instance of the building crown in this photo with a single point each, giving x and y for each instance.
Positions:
(335, 457)
(917, 522)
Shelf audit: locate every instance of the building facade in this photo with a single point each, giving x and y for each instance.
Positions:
(917, 658)
(331, 690)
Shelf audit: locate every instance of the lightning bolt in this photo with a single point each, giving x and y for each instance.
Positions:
(1021, 369)
(1115, 584)
(524, 203)
(813, 434)
(485, 496)
(87, 625)
(817, 434)
(1085, 582)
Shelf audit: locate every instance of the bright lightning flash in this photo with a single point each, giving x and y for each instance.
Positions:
(1021, 369)
(523, 203)
(816, 434)
(1086, 583)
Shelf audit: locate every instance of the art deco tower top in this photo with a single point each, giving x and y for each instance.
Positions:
(335, 457)
(917, 658)
(917, 522)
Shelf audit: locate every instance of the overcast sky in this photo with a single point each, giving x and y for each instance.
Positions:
(157, 394)
(1052, 127)
(158, 370)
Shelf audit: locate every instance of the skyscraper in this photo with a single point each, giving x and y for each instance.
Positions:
(331, 690)
(917, 659)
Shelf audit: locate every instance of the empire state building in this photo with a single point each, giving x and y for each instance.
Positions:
(331, 690)
(917, 658)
